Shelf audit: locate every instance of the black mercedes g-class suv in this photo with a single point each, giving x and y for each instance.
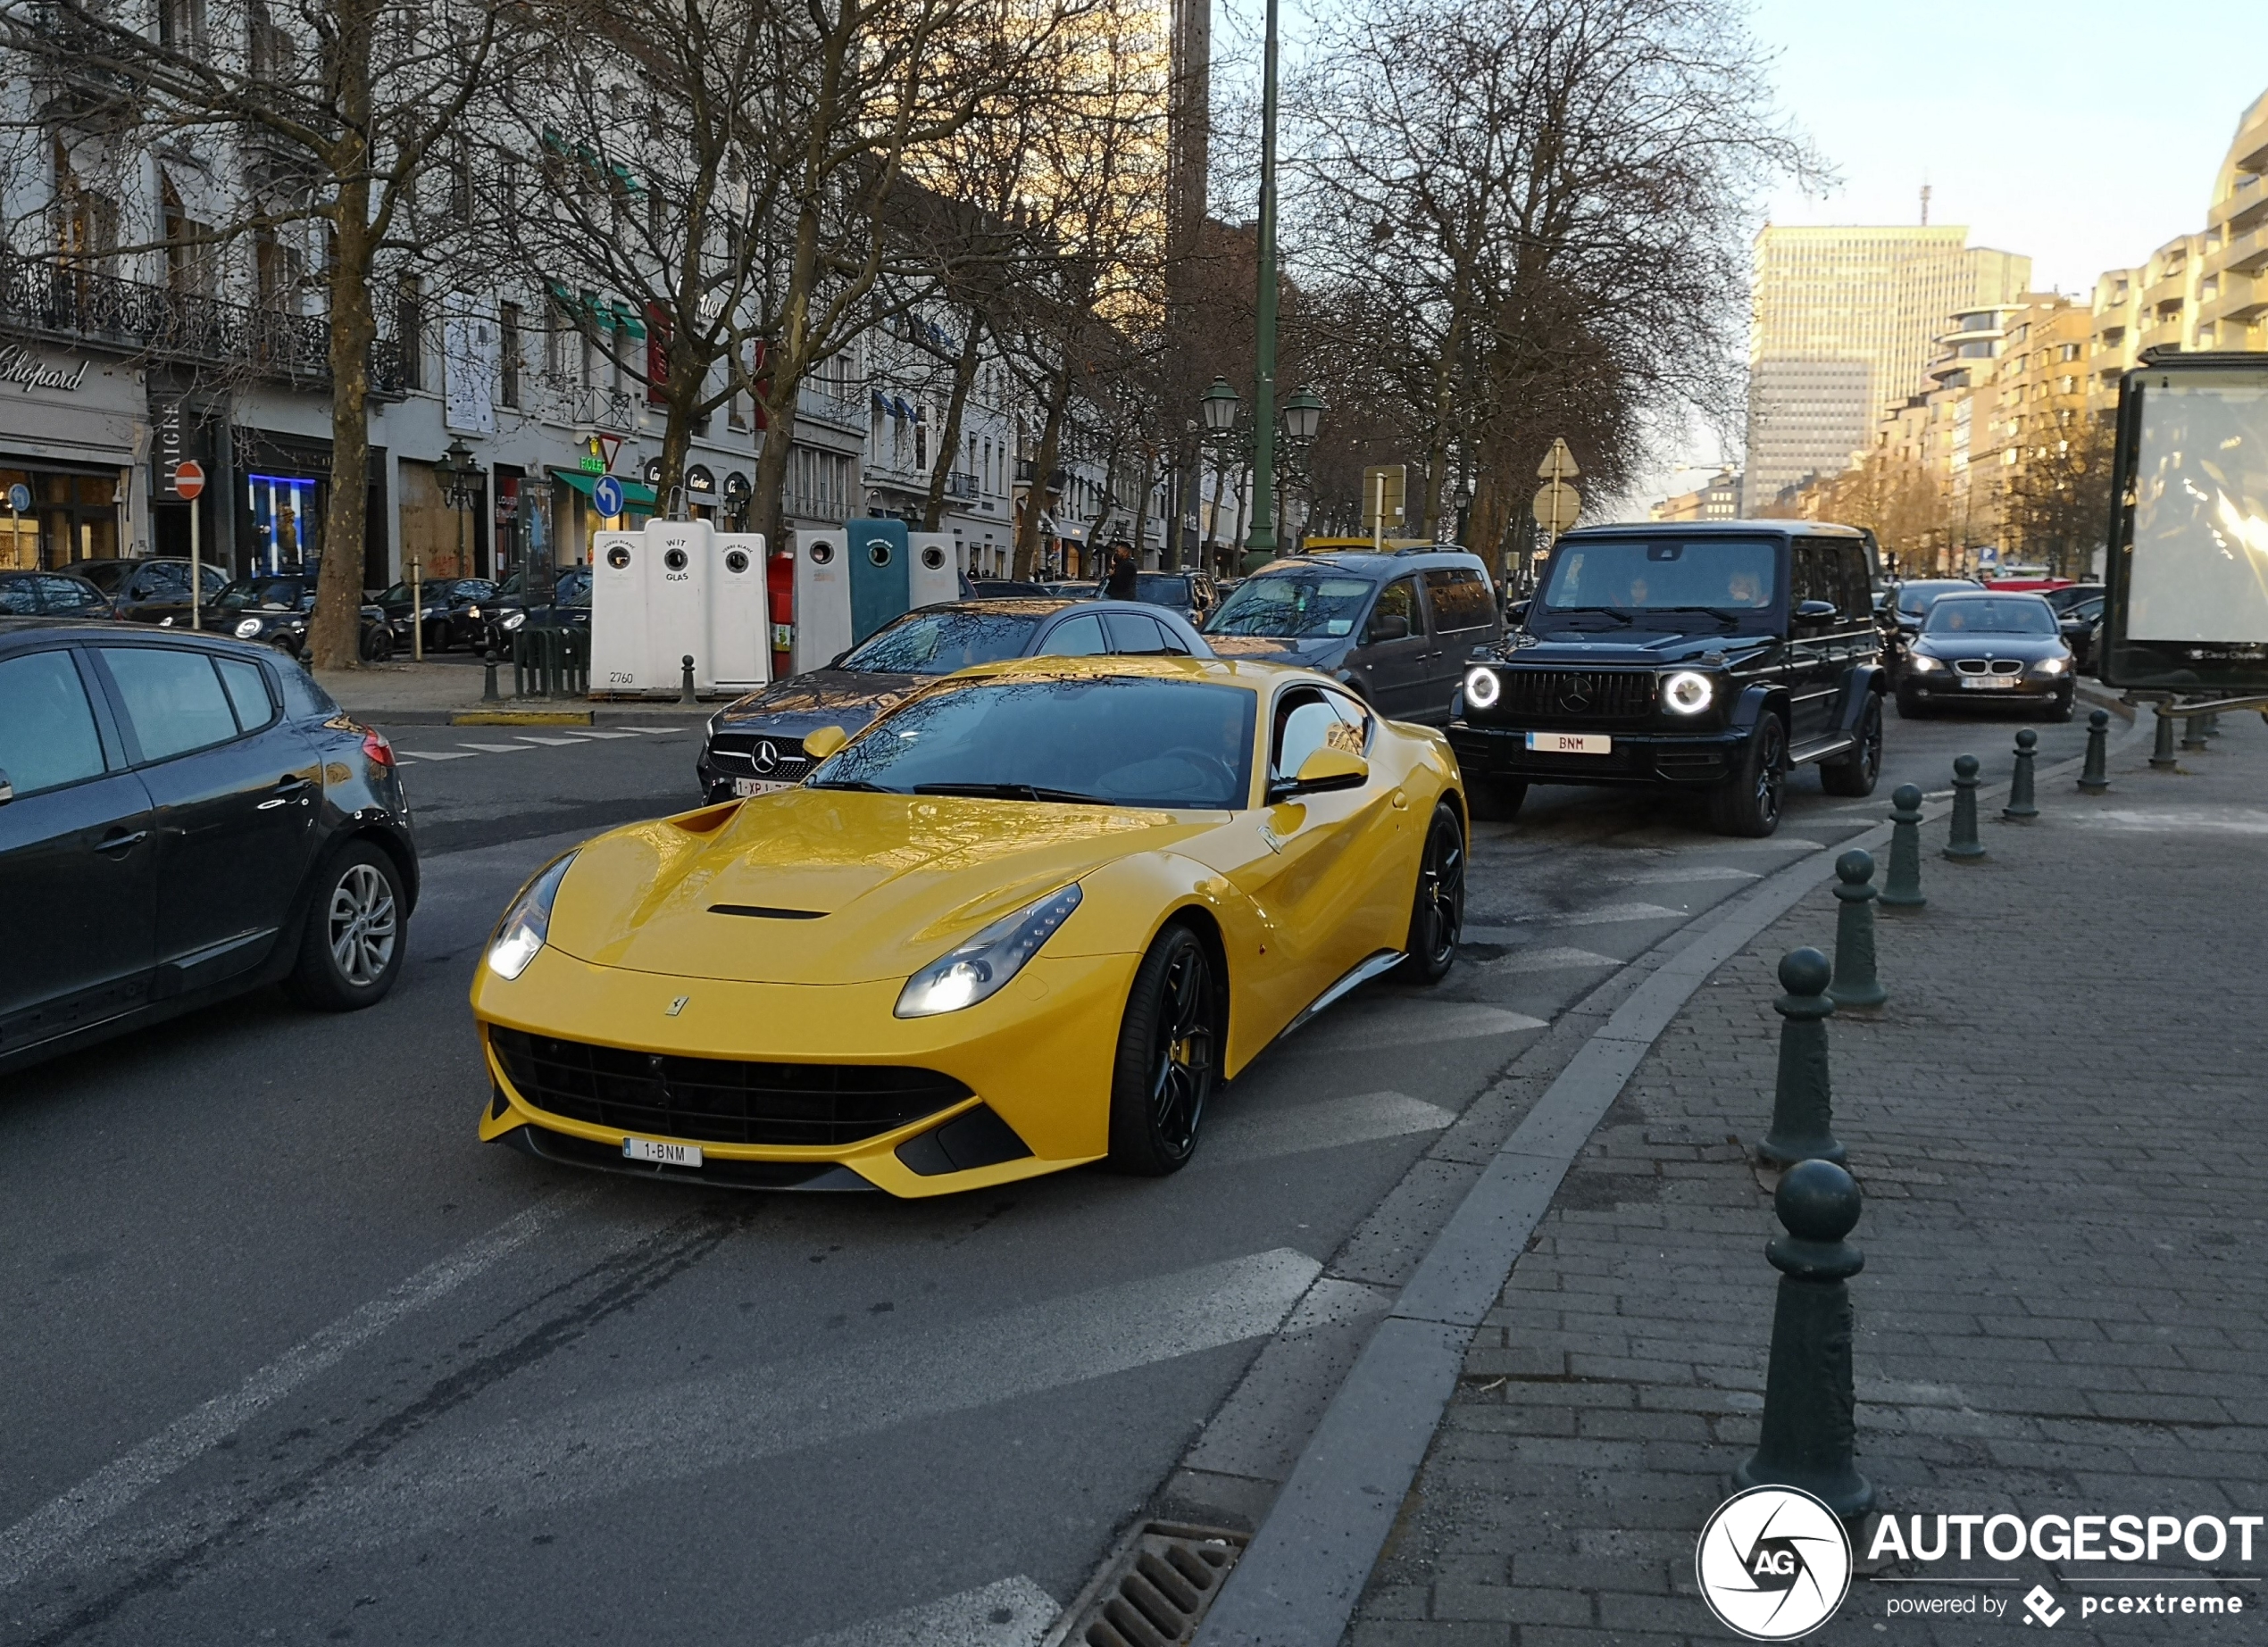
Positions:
(1718, 655)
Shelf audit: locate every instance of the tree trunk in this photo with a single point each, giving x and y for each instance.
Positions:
(964, 377)
(335, 635)
(1142, 502)
(1043, 465)
(767, 500)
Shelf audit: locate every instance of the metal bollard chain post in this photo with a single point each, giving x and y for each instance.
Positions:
(2021, 807)
(1961, 845)
(1901, 889)
(1855, 984)
(2095, 777)
(1802, 1102)
(2162, 756)
(685, 692)
(2193, 732)
(1810, 1426)
(489, 694)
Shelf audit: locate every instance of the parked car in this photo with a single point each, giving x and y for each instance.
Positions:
(276, 611)
(1993, 647)
(55, 595)
(184, 817)
(451, 610)
(507, 611)
(1191, 594)
(1716, 657)
(2080, 624)
(1396, 627)
(2071, 594)
(151, 589)
(755, 744)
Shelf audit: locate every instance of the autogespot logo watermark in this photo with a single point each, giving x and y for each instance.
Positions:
(1773, 1563)
(1914, 1545)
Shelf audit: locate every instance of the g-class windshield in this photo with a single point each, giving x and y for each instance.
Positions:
(1658, 582)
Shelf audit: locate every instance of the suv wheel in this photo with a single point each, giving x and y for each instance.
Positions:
(1854, 773)
(1494, 800)
(1748, 802)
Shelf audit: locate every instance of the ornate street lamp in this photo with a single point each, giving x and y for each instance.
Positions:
(1301, 413)
(1219, 405)
(460, 479)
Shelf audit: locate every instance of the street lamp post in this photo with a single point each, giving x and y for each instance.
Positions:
(1302, 414)
(460, 478)
(1260, 545)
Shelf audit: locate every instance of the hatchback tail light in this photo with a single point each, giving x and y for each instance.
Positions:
(378, 749)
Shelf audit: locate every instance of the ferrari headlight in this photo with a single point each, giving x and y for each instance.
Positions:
(527, 923)
(512, 620)
(2049, 665)
(249, 627)
(1687, 692)
(1482, 688)
(983, 965)
(1924, 663)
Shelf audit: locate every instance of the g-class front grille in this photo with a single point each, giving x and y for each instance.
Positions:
(1572, 697)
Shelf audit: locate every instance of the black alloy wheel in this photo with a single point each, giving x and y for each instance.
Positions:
(1168, 1052)
(1854, 773)
(1436, 916)
(1748, 804)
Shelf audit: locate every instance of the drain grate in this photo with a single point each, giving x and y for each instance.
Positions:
(1153, 1592)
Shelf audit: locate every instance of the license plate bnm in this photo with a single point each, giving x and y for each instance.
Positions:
(662, 1153)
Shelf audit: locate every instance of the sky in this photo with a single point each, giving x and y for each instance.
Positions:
(2083, 134)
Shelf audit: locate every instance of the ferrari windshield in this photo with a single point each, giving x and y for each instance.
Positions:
(1290, 604)
(1969, 614)
(1633, 576)
(937, 643)
(1111, 740)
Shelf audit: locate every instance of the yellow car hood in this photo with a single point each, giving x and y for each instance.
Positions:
(838, 886)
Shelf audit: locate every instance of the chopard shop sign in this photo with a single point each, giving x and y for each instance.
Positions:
(28, 371)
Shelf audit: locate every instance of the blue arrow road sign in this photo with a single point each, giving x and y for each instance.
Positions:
(607, 494)
(20, 498)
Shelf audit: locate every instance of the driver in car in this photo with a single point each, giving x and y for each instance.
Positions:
(1745, 589)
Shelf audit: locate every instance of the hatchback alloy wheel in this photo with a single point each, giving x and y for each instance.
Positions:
(363, 929)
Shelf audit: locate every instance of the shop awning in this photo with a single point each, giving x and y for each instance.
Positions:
(625, 318)
(635, 493)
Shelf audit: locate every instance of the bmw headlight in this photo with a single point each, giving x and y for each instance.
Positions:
(512, 620)
(2050, 666)
(1924, 663)
(527, 923)
(983, 965)
(249, 627)
(1688, 692)
(1482, 687)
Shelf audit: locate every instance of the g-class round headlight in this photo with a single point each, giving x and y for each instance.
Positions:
(1482, 688)
(1687, 692)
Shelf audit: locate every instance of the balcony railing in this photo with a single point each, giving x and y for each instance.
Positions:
(960, 483)
(816, 403)
(76, 305)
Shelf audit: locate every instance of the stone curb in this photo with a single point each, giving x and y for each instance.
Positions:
(1300, 1579)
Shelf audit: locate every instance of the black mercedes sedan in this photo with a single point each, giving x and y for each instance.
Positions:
(1994, 647)
(755, 744)
(184, 817)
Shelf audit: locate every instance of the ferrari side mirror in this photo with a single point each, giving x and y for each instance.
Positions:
(824, 742)
(1326, 768)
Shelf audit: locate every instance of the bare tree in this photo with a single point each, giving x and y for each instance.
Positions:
(337, 107)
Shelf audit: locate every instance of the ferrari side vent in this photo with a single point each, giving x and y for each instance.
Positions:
(1155, 1592)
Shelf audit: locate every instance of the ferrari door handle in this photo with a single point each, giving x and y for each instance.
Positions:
(118, 841)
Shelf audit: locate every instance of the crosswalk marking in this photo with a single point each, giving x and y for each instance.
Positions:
(1605, 915)
(1292, 1129)
(656, 731)
(555, 743)
(1014, 1612)
(505, 1465)
(594, 733)
(1553, 960)
(497, 749)
(433, 754)
(1699, 872)
(1406, 1023)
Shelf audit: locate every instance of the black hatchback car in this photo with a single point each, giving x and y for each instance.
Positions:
(755, 744)
(1717, 656)
(184, 818)
(1398, 628)
(153, 588)
(54, 594)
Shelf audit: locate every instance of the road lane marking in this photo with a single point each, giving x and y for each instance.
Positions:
(436, 754)
(1407, 1023)
(1699, 872)
(1014, 1612)
(110, 1489)
(603, 734)
(1546, 960)
(555, 743)
(2216, 820)
(656, 731)
(1293, 1129)
(1605, 915)
(497, 749)
(502, 1467)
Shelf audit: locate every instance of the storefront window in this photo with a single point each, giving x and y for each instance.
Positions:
(71, 518)
(285, 522)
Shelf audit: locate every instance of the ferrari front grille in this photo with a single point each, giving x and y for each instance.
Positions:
(717, 1099)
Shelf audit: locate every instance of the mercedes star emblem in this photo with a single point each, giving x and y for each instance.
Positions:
(1575, 695)
(767, 758)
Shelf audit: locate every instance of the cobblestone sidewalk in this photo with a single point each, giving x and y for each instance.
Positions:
(2059, 1124)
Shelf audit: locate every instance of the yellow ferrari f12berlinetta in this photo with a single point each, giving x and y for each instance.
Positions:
(1026, 920)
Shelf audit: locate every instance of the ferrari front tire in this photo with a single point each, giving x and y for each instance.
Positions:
(1437, 915)
(1168, 1050)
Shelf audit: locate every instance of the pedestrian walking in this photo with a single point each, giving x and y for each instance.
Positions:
(1120, 585)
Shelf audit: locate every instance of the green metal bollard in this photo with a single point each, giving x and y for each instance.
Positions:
(1902, 887)
(1961, 845)
(2162, 756)
(1802, 1103)
(489, 694)
(1810, 1426)
(1855, 984)
(2095, 777)
(2193, 732)
(2022, 807)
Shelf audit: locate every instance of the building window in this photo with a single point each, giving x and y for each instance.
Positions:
(508, 352)
(409, 329)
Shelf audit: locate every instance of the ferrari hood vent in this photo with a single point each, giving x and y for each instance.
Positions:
(763, 912)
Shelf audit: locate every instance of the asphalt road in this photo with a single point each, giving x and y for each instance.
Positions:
(290, 1357)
